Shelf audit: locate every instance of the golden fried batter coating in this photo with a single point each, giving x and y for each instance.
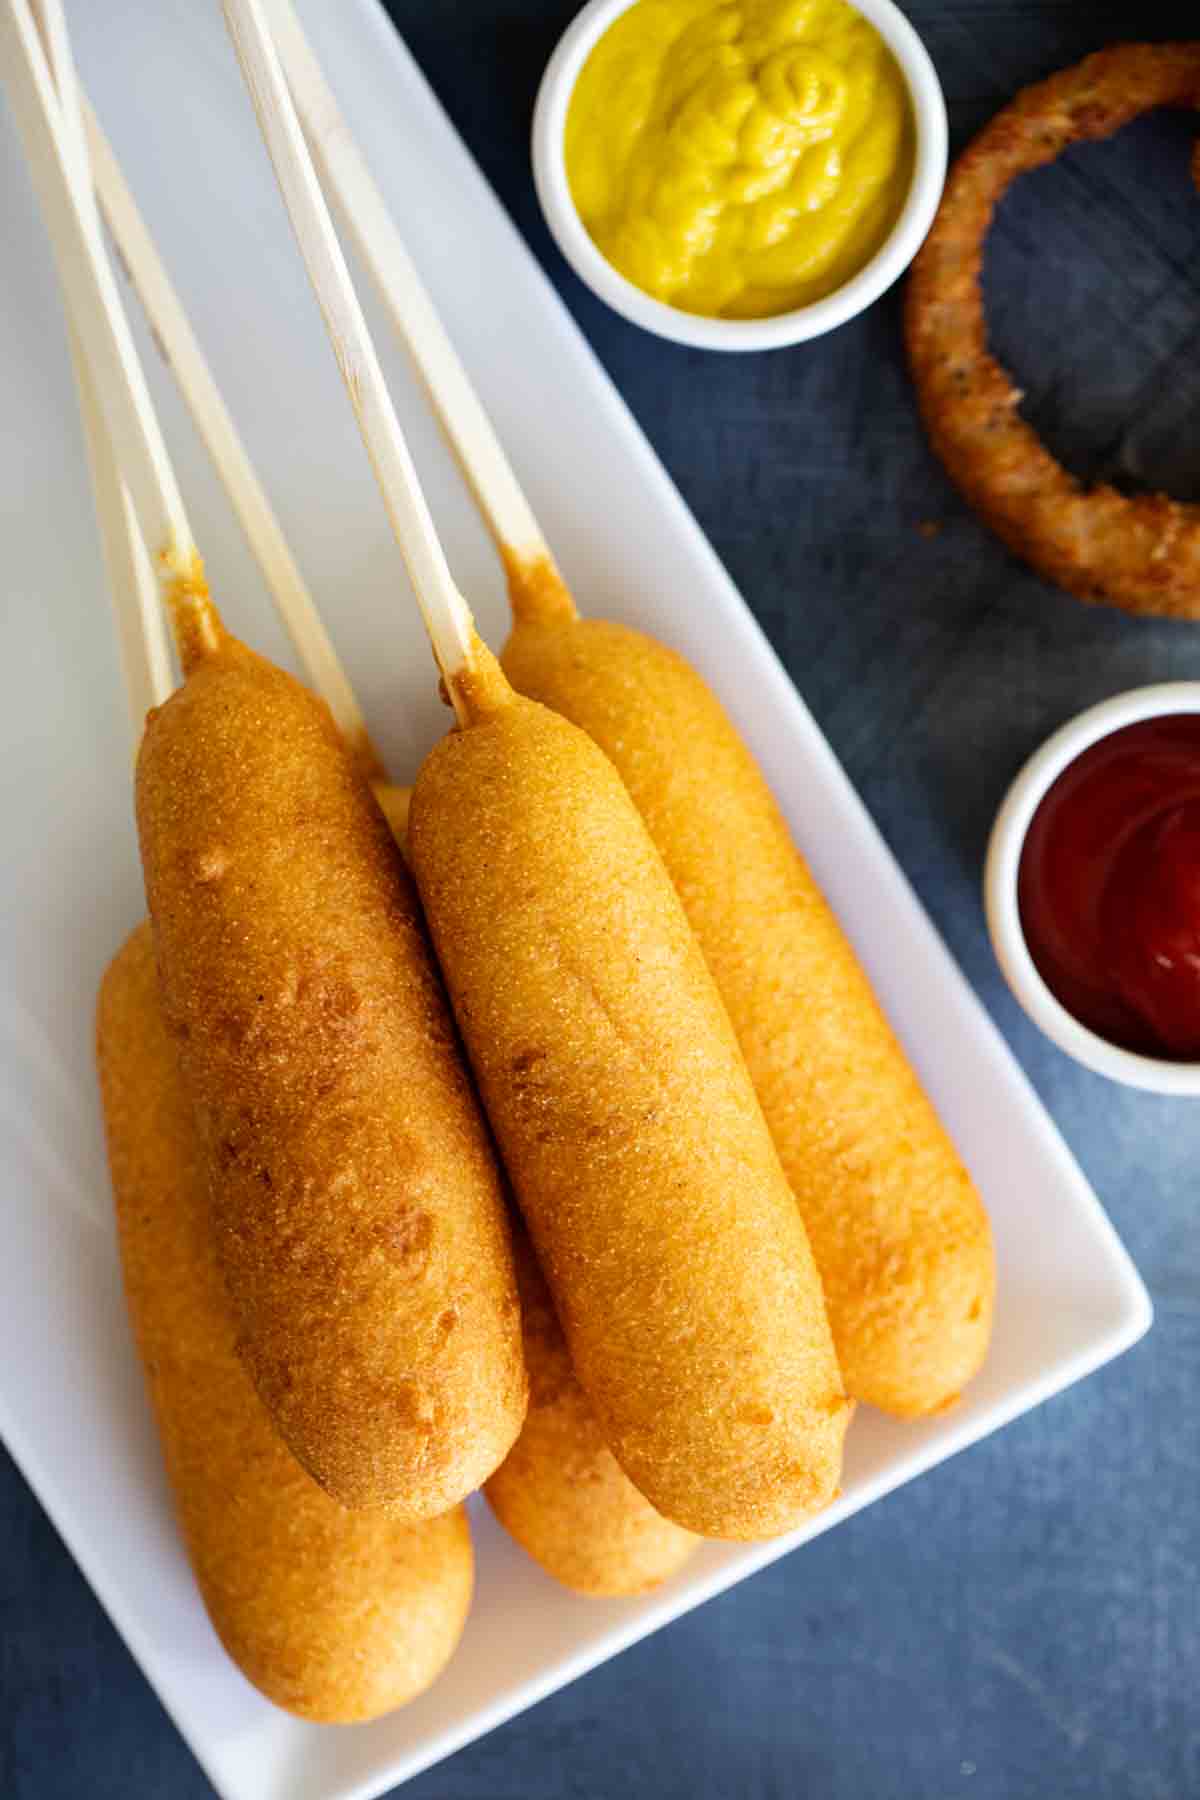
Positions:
(335, 1615)
(1141, 552)
(359, 1216)
(560, 1491)
(672, 1246)
(899, 1234)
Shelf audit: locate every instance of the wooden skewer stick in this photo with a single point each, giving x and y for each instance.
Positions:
(125, 555)
(347, 180)
(446, 613)
(132, 584)
(94, 303)
(172, 328)
(51, 22)
(141, 629)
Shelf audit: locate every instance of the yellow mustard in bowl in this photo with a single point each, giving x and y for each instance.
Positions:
(739, 159)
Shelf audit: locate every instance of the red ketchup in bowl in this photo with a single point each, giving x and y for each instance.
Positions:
(1109, 887)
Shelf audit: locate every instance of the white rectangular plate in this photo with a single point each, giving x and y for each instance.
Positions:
(71, 1407)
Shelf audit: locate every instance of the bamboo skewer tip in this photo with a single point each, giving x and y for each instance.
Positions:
(362, 209)
(289, 593)
(141, 628)
(448, 620)
(57, 158)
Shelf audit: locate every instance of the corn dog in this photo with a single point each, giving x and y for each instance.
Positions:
(560, 1491)
(675, 1254)
(334, 1615)
(898, 1231)
(358, 1212)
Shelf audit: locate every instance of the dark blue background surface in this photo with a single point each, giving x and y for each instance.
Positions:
(1026, 1620)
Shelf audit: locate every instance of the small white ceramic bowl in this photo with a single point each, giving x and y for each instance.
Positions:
(1156, 1075)
(593, 267)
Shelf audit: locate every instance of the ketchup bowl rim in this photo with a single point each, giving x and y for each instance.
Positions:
(1153, 1074)
(776, 330)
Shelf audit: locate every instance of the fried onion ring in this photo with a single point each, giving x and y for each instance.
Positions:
(1140, 553)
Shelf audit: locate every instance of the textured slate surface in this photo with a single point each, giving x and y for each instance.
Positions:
(1025, 1621)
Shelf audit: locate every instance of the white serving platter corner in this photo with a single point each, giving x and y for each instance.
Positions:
(71, 1408)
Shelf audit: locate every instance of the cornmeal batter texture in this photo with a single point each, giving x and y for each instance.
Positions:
(899, 1233)
(561, 1492)
(638, 1153)
(335, 1615)
(357, 1208)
